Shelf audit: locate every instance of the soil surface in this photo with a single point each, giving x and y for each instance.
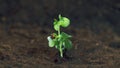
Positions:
(26, 24)
(26, 46)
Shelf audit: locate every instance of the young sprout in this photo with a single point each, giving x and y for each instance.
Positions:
(60, 40)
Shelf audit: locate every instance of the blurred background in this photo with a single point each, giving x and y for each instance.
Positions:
(95, 14)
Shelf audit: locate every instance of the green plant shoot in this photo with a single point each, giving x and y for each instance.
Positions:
(60, 40)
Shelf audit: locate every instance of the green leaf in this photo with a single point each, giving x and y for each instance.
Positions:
(51, 42)
(57, 27)
(64, 22)
(65, 35)
(57, 44)
(67, 44)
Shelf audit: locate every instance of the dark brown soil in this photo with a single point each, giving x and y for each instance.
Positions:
(26, 46)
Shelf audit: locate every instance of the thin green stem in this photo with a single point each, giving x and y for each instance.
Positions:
(61, 51)
(59, 31)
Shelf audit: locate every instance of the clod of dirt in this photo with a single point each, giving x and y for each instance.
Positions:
(4, 56)
(115, 45)
(32, 51)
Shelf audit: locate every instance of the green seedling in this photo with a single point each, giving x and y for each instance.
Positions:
(60, 40)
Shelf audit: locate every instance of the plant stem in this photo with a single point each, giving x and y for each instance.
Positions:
(61, 51)
(59, 31)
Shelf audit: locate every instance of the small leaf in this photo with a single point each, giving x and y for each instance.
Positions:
(64, 22)
(51, 43)
(57, 27)
(65, 35)
(68, 44)
(56, 43)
